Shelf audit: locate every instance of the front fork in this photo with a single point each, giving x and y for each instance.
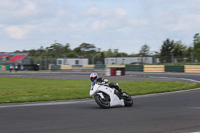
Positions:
(101, 95)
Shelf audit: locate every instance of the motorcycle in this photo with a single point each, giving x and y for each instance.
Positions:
(107, 97)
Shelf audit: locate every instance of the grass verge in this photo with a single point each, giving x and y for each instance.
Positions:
(13, 90)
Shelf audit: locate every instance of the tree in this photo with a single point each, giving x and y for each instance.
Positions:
(86, 46)
(41, 51)
(17, 51)
(145, 50)
(57, 49)
(166, 51)
(66, 48)
(71, 54)
(99, 58)
(85, 49)
(179, 51)
(78, 51)
(196, 43)
(189, 51)
(32, 52)
(123, 54)
(189, 54)
(109, 53)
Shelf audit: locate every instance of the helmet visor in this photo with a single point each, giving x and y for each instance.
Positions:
(92, 79)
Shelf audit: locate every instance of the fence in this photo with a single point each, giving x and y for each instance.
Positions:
(172, 63)
(134, 68)
(177, 60)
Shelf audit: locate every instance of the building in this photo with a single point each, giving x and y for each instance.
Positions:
(127, 60)
(72, 61)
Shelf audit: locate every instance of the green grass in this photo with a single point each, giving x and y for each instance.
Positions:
(30, 90)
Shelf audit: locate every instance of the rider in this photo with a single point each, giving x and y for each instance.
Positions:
(94, 78)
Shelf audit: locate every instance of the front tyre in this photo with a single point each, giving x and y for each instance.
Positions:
(104, 103)
(128, 101)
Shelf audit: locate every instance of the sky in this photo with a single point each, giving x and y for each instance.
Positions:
(125, 25)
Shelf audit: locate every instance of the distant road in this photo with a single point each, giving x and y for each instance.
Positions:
(184, 77)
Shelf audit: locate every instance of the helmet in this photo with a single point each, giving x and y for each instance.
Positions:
(93, 76)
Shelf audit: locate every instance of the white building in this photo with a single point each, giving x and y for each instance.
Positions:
(72, 61)
(127, 60)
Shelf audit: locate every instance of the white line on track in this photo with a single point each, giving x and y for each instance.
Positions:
(164, 93)
(43, 103)
(190, 80)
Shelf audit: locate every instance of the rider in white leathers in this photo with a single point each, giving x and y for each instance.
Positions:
(95, 79)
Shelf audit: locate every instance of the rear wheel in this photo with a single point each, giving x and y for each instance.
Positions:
(102, 102)
(128, 101)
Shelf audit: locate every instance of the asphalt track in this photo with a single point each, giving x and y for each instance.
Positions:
(163, 113)
(176, 112)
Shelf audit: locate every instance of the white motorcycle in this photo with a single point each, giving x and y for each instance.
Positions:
(107, 97)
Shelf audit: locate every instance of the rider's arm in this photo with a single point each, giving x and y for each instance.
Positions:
(100, 80)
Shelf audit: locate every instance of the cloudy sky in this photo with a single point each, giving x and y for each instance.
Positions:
(109, 24)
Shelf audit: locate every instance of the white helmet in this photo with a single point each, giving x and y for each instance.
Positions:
(93, 76)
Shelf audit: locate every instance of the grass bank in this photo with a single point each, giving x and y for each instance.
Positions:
(30, 90)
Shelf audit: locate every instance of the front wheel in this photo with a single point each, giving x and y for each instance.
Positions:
(128, 101)
(104, 103)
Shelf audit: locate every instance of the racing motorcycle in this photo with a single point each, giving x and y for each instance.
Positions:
(107, 97)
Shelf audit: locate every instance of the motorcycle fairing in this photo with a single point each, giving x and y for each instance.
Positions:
(114, 99)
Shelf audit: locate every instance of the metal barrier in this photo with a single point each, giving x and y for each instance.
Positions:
(55, 67)
(192, 68)
(135, 68)
(99, 67)
(154, 68)
(171, 68)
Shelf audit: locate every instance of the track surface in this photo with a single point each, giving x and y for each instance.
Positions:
(166, 113)
(183, 77)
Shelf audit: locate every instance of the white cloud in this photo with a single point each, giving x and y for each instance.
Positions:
(20, 12)
(96, 25)
(105, 13)
(9, 4)
(101, 22)
(185, 22)
(17, 32)
(120, 12)
(63, 13)
(122, 30)
(194, 4)
(28, 9)
(92, 11)
(139, 22)
(177, 27)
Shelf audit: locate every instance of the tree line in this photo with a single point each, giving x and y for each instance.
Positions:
(170, 50)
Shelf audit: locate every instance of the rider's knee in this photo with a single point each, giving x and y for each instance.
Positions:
(113, 85)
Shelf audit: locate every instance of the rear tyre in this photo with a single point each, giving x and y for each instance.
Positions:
(104, 103)
(128, 101)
